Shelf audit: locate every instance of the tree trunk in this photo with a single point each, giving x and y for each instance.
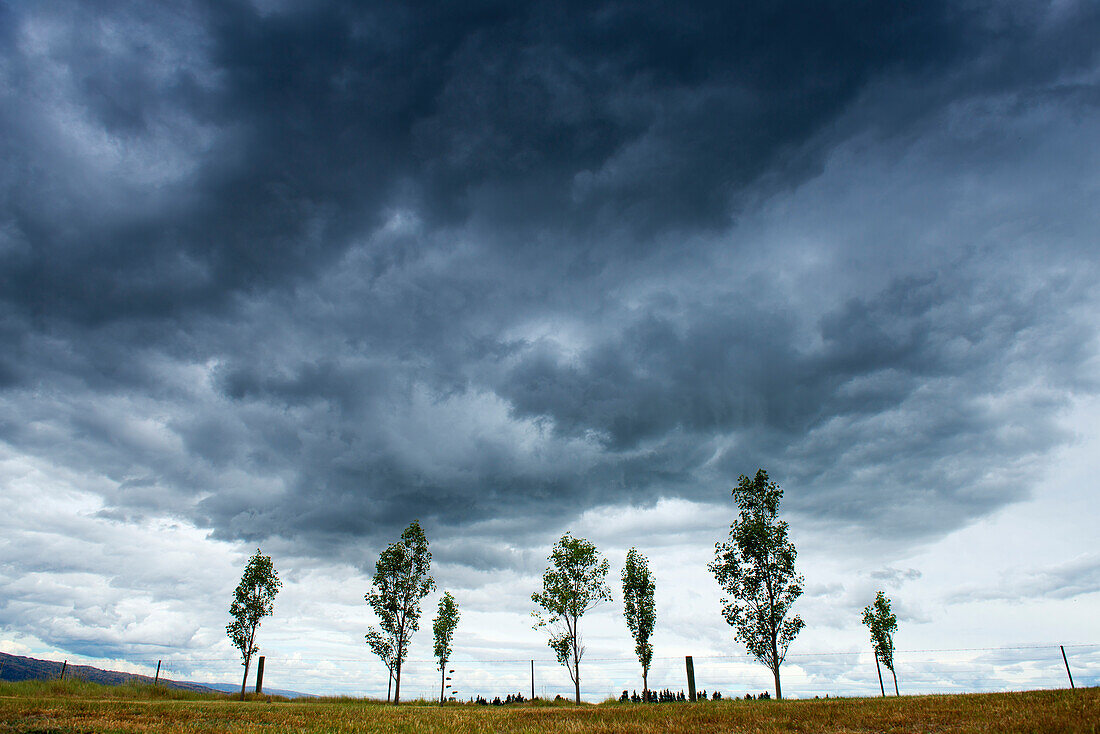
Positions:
(895, 682)
(244, 682)
(645, 686)
(442, 681)
(877, 668)
(397, 683)
(775, 660)
(576, 659)
(389, 687)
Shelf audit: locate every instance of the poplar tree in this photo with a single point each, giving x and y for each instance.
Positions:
(443, 629)
(400, 582)
(253, 599)
(640, 609)
(382, 646)
(572, 585)
(756, 568)
(883, 624)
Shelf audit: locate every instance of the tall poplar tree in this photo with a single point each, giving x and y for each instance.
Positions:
(400, 582)
(883, 625)
(572, 585)
(640, 609)
(443, 629)
(253, 599)
(756, 568)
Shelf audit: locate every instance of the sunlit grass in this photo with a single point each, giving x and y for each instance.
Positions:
(74, 706)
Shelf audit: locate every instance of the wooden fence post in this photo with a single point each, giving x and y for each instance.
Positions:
(691, 676)
(260, 676)
(156, 679)
(1066, 661)
(63, 666)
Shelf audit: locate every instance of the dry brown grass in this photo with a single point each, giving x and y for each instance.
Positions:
(1033, 711)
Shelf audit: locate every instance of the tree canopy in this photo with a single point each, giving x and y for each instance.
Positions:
(755, 567)
(401, 580)
(883, 625)
(253, 599)
(443, 629)
(639, 608)
(574, 583)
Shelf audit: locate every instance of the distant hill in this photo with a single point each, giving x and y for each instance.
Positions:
(17, 667)
(236, 688)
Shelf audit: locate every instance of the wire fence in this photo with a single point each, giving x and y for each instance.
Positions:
(804, 674)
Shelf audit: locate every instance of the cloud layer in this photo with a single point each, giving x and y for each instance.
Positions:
(298, 273)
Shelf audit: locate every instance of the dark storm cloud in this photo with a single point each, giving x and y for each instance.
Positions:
(311, 271)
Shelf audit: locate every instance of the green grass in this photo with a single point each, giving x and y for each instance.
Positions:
(73, 706)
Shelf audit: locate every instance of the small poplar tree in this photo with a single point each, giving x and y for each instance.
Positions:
(640, 609)
(400, 582)
(756, 568)
(382, 646)
(253, 599)
(883, 624)
(572, 585)
(443, 629)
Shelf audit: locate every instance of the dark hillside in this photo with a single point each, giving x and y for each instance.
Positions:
(17, 667)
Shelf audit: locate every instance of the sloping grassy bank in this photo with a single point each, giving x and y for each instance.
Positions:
(36, 710)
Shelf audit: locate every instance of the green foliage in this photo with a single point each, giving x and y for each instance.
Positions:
(401, 581)
(253, 599)
(382, 646)
(573, 584)
(639, 606)
(883, 624)
(443, 628)
(756, 568)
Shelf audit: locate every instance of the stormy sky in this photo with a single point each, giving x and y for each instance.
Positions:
(293, 274)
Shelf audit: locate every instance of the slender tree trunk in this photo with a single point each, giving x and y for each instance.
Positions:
(895, 682)
(576, 660)
(397, 684)
(877, 668)
(244, 683)
(775, 664)
(645, 685)
(442, 680)
(248, 659)
(389, 687)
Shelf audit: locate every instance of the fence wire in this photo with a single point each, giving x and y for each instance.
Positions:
(804, 674)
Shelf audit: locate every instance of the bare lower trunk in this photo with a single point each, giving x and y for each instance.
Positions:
(244, 682)
(577, 679)
(879, 670)
(645, 686)
(895, 682)
(389, 687)
(778, 687)
(397, 684)
(442, 681)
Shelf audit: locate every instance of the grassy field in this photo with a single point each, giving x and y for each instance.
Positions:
(82, 707)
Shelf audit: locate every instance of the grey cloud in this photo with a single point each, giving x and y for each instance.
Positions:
(328, 282)
(1067, 580)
